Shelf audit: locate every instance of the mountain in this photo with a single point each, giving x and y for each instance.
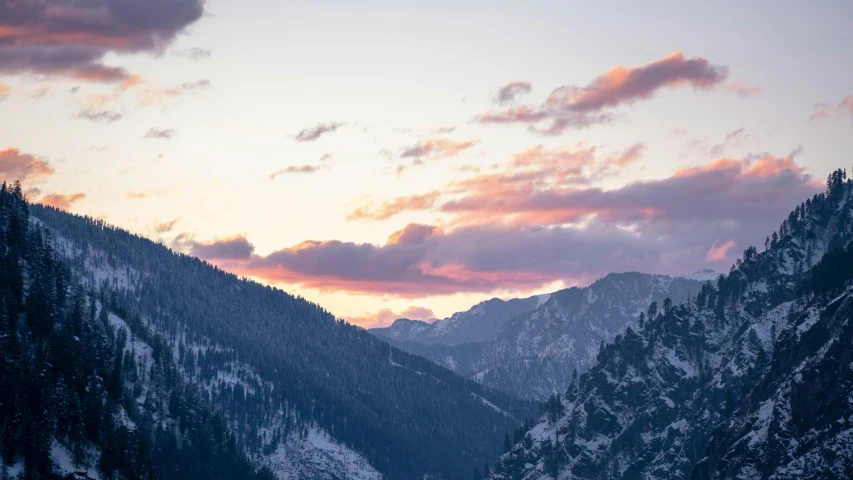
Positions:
(477, 324)
(537, 345)
(283, 387)
(78, 395)
(535, 354)
(704, 275)
(752, 379)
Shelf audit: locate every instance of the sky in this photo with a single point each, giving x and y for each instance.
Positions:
(389, 159)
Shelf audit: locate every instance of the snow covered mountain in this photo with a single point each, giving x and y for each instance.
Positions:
(535, 354)
(534, 344)
(751, 380)
(704, 275)
(477, 324)
(295, 391)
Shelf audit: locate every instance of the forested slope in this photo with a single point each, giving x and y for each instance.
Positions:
(69, 379)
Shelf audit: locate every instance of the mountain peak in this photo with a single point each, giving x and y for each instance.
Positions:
(704, 275)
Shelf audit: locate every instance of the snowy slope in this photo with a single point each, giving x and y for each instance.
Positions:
(309, 454)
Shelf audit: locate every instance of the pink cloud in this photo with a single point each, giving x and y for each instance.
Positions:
(719, 252)
(846, 104)
(62, 201)
(578, 107)
(15, 165)
(387, 209)
(744, 89)
(823, 110)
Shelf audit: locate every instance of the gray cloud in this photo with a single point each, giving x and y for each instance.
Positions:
(164, 134)
(297, 169)
(313, 133)
(71, 39)
(236, 247)
(100, 116)
(511, 92)
(194, 53)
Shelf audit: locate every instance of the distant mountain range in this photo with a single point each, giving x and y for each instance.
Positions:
(530, 347)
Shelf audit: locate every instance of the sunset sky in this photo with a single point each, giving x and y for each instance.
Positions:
(411, 158)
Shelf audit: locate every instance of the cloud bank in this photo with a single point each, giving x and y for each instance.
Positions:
(71, 39)
(539, 220)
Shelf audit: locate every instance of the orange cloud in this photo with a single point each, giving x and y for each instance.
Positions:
(744, 89)
(769, 165)
(15, 165)
(4, 91)
(719, 252)
(720, 164)
(411, 234)
(61, 201)
(130, 82)
(629, 84)
(168, 95)
(386, 210)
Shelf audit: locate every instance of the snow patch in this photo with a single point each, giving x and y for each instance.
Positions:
(317, 455)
